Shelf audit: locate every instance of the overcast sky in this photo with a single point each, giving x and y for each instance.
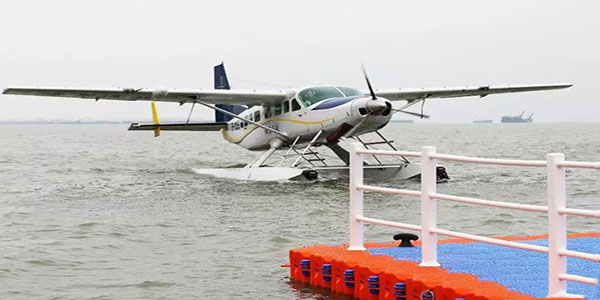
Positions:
(402, 43)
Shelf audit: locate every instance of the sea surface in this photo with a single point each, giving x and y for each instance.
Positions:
(96, 212)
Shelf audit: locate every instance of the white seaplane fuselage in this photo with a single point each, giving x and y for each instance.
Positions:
(303, 118)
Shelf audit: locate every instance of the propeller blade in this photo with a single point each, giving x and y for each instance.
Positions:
(368, 83)
(411, 113)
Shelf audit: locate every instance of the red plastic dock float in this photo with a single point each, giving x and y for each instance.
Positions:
(370, 275)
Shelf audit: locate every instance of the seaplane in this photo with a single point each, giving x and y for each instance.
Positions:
(297, 121)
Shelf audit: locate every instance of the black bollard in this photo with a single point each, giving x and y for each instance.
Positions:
(405, 239)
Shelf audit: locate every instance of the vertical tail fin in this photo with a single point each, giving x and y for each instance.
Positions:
(222, 83)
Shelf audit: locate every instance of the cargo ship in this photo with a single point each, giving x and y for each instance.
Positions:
(517, 119)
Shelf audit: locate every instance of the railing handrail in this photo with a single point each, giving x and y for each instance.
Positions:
(485, 161)
(556, 209)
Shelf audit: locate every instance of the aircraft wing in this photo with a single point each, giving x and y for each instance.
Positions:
(411, 95)
(238, 97)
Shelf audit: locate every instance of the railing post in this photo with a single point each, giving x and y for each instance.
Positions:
(356, 199)
(428, 208)
(557, 226)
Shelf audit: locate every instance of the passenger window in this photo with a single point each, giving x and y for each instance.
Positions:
(295, 105)
(267, 112)
(286, 106)
(277, 109)
(257, 116)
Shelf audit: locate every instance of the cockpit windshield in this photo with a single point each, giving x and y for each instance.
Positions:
(349, 92)
(313, 95)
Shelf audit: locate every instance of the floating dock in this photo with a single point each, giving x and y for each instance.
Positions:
(468, 267)
(471, 270)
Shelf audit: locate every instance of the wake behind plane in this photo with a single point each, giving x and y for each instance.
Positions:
(297, 121)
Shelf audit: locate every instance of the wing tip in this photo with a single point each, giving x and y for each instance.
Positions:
(560, 86)
(563, 85)
(567, 85)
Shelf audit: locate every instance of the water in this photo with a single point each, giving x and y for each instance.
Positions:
(96, 212)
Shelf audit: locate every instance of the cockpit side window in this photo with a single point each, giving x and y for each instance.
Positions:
(295, 105)
(257, 116)
(277, 109)
(286, 106)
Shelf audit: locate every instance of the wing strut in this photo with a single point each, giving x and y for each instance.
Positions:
(281, 133)
(191, 111)
(411, 103)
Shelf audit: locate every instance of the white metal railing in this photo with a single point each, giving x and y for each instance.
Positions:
(556, 210)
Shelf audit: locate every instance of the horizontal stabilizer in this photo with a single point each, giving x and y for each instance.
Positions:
(180, 126)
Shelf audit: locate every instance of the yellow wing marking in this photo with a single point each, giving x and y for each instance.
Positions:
(155, 119)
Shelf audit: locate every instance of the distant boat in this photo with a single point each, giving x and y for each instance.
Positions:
(401, 121)
(482, 121)
(517, 119)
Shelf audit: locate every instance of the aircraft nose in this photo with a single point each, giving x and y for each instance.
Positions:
(376, 106)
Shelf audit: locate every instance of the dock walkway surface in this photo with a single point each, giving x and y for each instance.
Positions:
(469, 270)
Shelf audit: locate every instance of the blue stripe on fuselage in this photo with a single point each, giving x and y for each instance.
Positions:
(334, 102)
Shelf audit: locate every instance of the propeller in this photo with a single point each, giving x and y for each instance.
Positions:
(374, 97)
(371, 91)
(373, 106)
(376, 106)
